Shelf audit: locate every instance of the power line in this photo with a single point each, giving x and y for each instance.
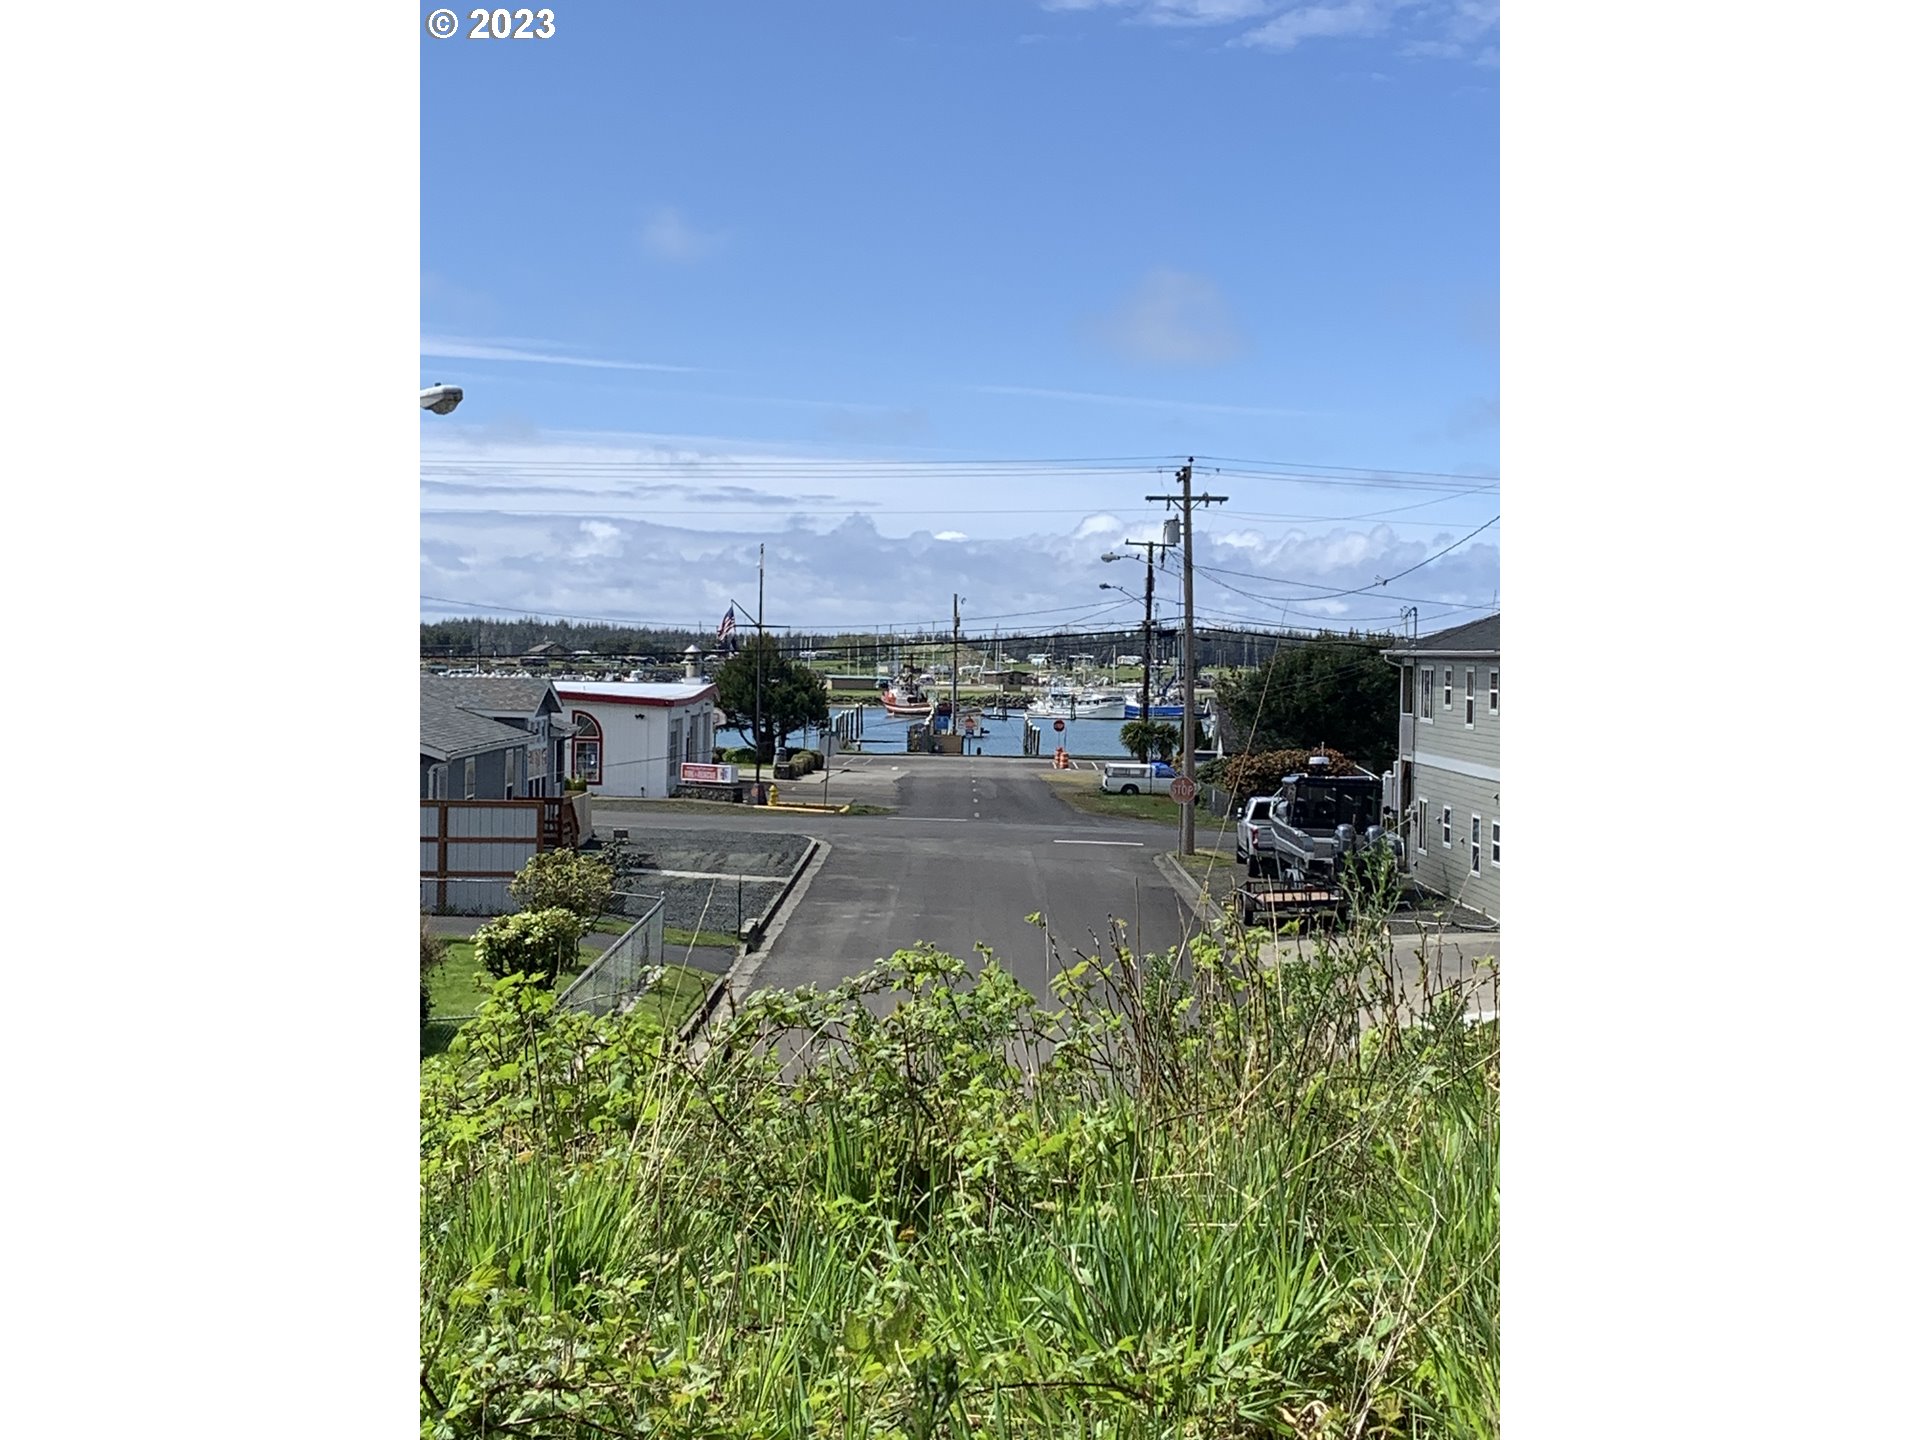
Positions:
(1354, 469)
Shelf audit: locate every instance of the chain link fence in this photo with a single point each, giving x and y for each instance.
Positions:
(626, 969)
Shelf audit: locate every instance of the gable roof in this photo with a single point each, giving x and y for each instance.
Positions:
(448, 732)
(491, 694)
(1476, 637)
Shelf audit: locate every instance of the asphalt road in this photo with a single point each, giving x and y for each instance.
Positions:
(976, 844)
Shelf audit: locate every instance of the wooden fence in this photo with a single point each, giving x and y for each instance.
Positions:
(470, 849)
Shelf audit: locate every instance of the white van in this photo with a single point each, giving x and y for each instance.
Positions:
(1127, 778)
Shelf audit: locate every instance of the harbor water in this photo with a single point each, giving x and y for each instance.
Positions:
(882, 734)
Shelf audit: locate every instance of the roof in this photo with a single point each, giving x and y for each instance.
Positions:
(635, 692)
(447, 732)
(1476, 637)
(491, 694)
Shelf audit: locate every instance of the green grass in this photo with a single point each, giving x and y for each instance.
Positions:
(674, 997)
(666, 1006)
(1081, 789)
(1225, 1219)
(459, 986)
(675, 936)
(1218, 873)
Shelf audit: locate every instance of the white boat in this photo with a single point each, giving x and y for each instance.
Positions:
(1067, 704)
(1101, 705)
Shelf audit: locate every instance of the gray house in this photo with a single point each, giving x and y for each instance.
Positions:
(1445, 785)
(526, 704)
(464, 756)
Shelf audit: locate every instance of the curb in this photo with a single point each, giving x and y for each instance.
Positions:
(745, 961)
(1204, 907)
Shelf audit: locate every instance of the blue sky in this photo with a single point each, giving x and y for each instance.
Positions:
(839, 277)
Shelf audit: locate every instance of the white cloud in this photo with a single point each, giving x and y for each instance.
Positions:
(1428, 29)
(1173, 318)
(1201, 12)
(1097, 525)
(600, 540)
(669, 236)
(666, 529)
(451, 348)
(1321, 22)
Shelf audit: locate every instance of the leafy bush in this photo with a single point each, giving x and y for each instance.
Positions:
(535, 943)
(1191, 1199)
(575, 786)
(739, 755)
(433, 954)
(1260, 773)
(565, 880)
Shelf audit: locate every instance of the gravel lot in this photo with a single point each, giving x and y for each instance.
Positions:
(713, 899)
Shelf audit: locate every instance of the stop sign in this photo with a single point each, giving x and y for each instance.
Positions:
(1182, 790)
(1059, 725)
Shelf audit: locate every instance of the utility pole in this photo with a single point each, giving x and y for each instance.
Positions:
(1186, 499)
(759, 668)
(953, 680)
(1146, 658)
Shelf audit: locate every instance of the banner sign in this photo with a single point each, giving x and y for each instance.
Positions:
(708, 774)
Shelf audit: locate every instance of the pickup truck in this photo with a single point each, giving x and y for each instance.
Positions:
(1131, 779)
(1245, 833)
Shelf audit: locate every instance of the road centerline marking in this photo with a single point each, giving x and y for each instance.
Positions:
(1101, 842)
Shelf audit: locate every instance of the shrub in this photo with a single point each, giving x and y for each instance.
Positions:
(1260, 773)
(535, 943)
(565, 880)
(576, 787)
(739, 755)
(433, 954)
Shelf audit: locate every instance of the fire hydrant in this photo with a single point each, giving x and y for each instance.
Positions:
(773, 795)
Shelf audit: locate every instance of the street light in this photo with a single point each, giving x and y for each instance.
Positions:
(1146, 659)
(441, 399)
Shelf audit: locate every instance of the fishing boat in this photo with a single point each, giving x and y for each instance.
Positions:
(903, 697)
(1100, 705)
(1088, 704)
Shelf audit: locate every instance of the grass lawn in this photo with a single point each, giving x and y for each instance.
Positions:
(455, 991)
(1081, 789)
(674, 935)
(1217, 871)
(667, 1005)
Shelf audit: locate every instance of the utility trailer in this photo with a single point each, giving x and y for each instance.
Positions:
(1297, 851)
(1277, 902)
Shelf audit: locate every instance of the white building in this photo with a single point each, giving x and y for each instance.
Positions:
(630, 738)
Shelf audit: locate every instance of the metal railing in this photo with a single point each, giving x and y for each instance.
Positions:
(626, 969)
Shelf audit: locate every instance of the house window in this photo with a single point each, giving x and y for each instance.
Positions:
(1406, 690)
(437, 783)
(1496, 844)
(1420, 826)
(586, 748)
(1473, 845)
(513, 767)
(1469, 699)
(1446, 826)
(1426, 693)
(673, 749)
(466, 779)
(1446, 688)
(1493, 693)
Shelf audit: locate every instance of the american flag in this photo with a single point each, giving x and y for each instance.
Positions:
(726, 626)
